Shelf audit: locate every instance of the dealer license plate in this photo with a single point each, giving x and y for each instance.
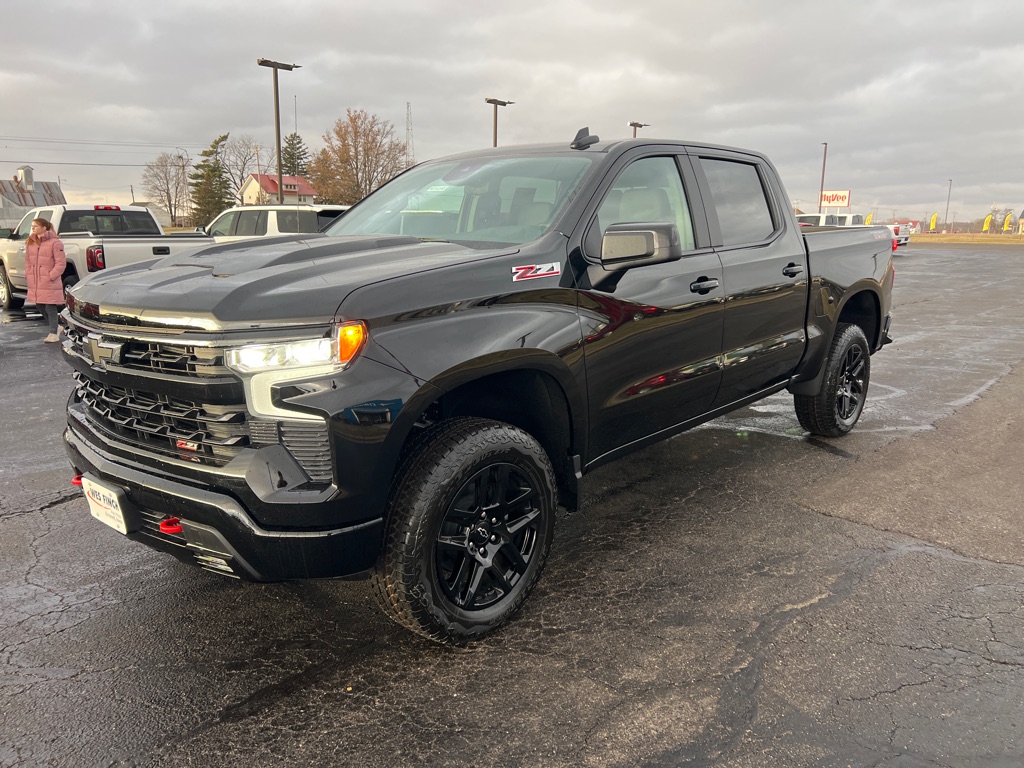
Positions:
(105, 504)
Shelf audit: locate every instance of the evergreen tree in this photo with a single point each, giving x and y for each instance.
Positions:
(211, 189)
(294, 156)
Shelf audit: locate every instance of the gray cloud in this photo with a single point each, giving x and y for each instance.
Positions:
(908, 95)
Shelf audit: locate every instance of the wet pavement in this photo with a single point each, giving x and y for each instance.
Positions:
(741, 595)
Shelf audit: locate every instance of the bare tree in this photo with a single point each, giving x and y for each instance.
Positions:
(241, 156)
(164, 181)
(361, 154)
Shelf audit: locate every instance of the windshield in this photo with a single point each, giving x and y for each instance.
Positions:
(490, 200)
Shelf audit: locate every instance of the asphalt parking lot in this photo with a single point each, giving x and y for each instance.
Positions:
(741, 595)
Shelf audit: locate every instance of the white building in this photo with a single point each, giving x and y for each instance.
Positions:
(261, 188)
(21, 194)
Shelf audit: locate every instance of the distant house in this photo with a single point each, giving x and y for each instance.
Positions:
(21, 194)
(261, 188)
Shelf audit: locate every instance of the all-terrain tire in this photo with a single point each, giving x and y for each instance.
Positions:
(469, 526)
(837, 406)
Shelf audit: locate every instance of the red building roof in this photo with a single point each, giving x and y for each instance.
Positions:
(293, 185)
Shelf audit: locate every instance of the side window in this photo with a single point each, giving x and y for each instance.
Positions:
(287, 221)
(223, 225)
(649, 190)
(249, 223)
(739, 197)
(25, 228)
(308, 221)
(139, 223)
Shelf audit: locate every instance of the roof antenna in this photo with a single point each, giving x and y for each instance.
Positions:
(583, 139)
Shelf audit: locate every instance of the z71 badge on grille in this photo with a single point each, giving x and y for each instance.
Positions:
(532, 271)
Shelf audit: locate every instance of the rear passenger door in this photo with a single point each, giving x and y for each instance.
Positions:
(765, 272)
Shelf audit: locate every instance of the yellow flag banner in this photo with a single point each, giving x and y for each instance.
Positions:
(869, 218)
(988, 223)
(934, 222)
(1006, 222)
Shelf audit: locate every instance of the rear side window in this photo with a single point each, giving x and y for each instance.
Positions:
(139, 223)
(297, 221)
(744, 213)
(251, 223)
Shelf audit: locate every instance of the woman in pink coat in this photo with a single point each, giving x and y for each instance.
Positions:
(44, 270)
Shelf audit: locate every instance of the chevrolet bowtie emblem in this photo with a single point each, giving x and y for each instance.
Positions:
(101, 351)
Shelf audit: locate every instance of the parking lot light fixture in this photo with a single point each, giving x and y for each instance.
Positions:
(276, 65)
(497, 103)
(634, 124)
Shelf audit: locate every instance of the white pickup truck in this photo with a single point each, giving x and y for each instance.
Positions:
(849, 220)
(95, 237)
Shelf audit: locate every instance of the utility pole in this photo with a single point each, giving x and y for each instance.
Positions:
(410, 152)
(821, 190)
(945, 221)
(634, 124)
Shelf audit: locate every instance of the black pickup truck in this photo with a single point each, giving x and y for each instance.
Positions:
(410, 394)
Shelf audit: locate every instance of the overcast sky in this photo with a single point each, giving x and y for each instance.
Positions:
(909, 94)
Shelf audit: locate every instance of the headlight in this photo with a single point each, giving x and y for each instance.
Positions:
(337, 350)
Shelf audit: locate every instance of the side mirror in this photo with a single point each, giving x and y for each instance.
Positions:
(638, 244)
(6, 234)
(201, 230)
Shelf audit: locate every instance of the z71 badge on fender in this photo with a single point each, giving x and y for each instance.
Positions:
(531, 271)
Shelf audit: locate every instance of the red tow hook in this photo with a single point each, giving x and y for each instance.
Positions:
(170, 525)
(76, 480)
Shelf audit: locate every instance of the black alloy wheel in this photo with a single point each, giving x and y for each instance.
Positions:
(488, 537)
(837, 406)
(469, 525)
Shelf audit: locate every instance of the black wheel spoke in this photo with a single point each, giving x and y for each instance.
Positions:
(510, 552)
(515, 527)
(476, 576)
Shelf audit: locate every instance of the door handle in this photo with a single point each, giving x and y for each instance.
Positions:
(704, 285)
(792, 270)
(161, 250)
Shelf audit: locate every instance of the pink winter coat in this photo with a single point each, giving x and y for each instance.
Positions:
(44, 268)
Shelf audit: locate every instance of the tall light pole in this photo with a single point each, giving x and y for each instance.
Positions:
(945, 220)
(183, 189)
(276, 65)
(497, 103)
(821, 190)
(635, 124)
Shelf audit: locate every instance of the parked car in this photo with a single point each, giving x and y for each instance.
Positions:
(248, 221)
(95, 237)
(412, 392)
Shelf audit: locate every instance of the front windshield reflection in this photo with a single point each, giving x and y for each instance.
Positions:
(489, 200)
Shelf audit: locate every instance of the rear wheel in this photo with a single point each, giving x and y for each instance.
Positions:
(837, 406)
(470, 524)
(7, 300)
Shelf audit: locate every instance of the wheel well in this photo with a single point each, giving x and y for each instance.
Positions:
(528, 399)
(862, 309)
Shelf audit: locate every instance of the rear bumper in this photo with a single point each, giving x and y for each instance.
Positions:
(217, 533)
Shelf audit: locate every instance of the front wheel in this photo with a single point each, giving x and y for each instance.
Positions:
(837, 406)
(469, 527)
(7, 300)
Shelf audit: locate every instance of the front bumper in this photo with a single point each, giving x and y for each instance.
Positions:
(217, 533)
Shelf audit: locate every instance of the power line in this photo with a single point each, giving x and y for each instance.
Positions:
(190, 145)
(45, 162)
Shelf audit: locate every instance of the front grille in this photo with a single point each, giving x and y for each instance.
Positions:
(198, 432)
(153, 357)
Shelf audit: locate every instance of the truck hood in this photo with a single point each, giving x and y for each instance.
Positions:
(274, 282)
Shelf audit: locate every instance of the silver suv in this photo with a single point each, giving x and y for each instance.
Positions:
(245, 222)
